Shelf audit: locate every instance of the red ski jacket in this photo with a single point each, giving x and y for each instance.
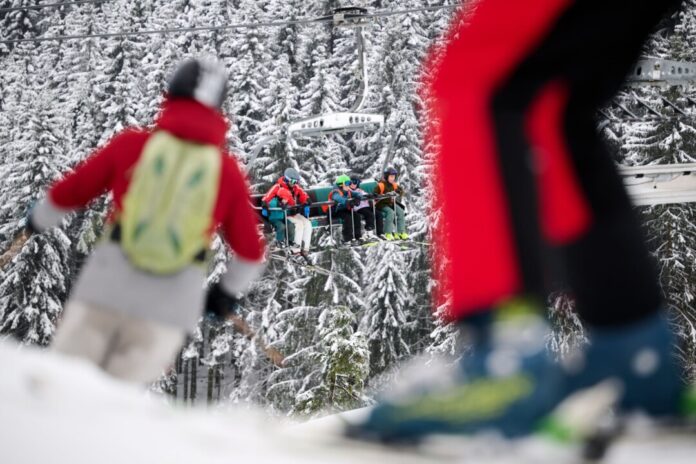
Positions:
(293, 197)
(110, 169)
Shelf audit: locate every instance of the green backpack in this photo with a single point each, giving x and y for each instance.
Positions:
(168, 209)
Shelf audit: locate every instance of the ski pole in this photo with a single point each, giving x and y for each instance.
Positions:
(240, 324)
(287, 229)
(352, 220)
(374, 215)
(308, 223)
(331, 225)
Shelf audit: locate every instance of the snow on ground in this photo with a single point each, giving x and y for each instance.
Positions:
(62, 411)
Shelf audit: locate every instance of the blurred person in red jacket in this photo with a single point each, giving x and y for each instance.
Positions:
(173, 186)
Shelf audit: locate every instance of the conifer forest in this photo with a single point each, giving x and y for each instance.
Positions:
(342, 332)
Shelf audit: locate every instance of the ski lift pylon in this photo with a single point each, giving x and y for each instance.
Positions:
(354, 120)
(351, 121)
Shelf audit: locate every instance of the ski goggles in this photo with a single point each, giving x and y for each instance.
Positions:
(292, 181)
(355, 182)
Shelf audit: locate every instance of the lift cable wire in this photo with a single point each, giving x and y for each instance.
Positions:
(179, 30)
(384, 14)
(50, 5)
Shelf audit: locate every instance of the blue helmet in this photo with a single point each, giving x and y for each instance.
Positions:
(390, 172)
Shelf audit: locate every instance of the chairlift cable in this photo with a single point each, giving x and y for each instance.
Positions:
(106, 35)
(50, 5)
(384, 14)
(228, 27)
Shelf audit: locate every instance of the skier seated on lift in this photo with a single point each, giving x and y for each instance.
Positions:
(391, 208)
(344, 204)
(274, 211)
(373, 223)
(142, 289)
(287, 201)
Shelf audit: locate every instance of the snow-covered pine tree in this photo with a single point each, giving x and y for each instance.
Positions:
(249, 75)
(402, 148)
(21, 93)
(444, 336)
(120, 85)
(286, 73)
(293, 326)
(675, 36)
(388, 300)
(343, 364)
(18, 23)
(34, 285)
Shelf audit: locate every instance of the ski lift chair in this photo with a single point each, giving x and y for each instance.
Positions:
(350, 16)
(353, 120)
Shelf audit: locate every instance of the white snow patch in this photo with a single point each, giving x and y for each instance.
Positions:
(64, 411)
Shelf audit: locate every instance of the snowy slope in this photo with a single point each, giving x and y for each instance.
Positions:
(63, 411)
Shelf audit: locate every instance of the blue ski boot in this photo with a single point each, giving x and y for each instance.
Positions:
(642, 360)
(507, 384)
(510, 384)
(624, 370)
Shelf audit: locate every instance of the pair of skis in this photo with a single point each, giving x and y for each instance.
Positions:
(301, 261)
(639, 441)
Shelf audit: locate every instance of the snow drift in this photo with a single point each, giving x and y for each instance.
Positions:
(64, 411)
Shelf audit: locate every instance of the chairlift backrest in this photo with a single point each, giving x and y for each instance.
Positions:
(351, 17)
(318, 194)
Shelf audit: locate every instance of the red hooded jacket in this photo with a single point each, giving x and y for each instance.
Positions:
(110, 169)
(293, 196)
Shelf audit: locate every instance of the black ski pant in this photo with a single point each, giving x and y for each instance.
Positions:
(517, 94)
(372, 221)
(351, 224)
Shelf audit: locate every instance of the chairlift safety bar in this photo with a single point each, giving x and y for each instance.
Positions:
(326, 203)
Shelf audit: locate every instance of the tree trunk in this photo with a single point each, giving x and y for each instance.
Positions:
(211, 383)
(186, 381)
(194, 379)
